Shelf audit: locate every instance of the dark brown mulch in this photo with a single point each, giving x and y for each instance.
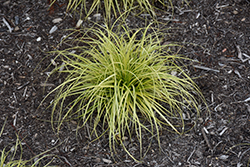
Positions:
(213, 32)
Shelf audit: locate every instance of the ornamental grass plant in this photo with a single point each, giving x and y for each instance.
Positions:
(115, 7)
(127, 82)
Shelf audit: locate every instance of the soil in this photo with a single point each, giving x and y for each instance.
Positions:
(215, 33)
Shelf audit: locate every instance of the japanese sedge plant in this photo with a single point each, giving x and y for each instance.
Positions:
(116, 7)
(110, 6)
(121, 81)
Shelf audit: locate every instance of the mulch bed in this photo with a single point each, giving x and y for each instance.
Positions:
(215, 33)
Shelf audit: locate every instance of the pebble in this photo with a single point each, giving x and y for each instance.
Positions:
(235, 12)
(6, 66)
(107, 161)
(17, 20)
(16, 28)
(223, 157)
(57, 20)
(38, 39)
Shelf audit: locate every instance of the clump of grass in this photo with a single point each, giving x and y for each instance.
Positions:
(115, 7)
(123, 82)
(110, 6)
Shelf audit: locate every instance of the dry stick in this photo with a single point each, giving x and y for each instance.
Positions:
(205, 137)
(191, 155)
(23, 139)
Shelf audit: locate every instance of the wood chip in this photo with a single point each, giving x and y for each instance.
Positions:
(223, 157)
(248, 99)
(57, 20)
(47, 84)
(79, 23)
(205, 68)
(205, 137)
(53, 29)
(107, 161)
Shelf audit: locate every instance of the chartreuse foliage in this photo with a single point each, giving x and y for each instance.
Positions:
(122, 80)
(115, 7)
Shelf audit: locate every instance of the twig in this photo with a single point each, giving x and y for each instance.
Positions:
(240, 54)
(205, 68)
(223, 131)
(217, 145)
(205, 137)
(191, 155)
(244, 101)
(22, 86)
(7, 24)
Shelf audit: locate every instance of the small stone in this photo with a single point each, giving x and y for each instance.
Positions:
(38, 39)
(223, 157)
(57, 20)
(17, 20)
(107, 161)
(16, 28)
(235, 12)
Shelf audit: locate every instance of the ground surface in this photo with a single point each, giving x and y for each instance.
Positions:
(214, 32)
